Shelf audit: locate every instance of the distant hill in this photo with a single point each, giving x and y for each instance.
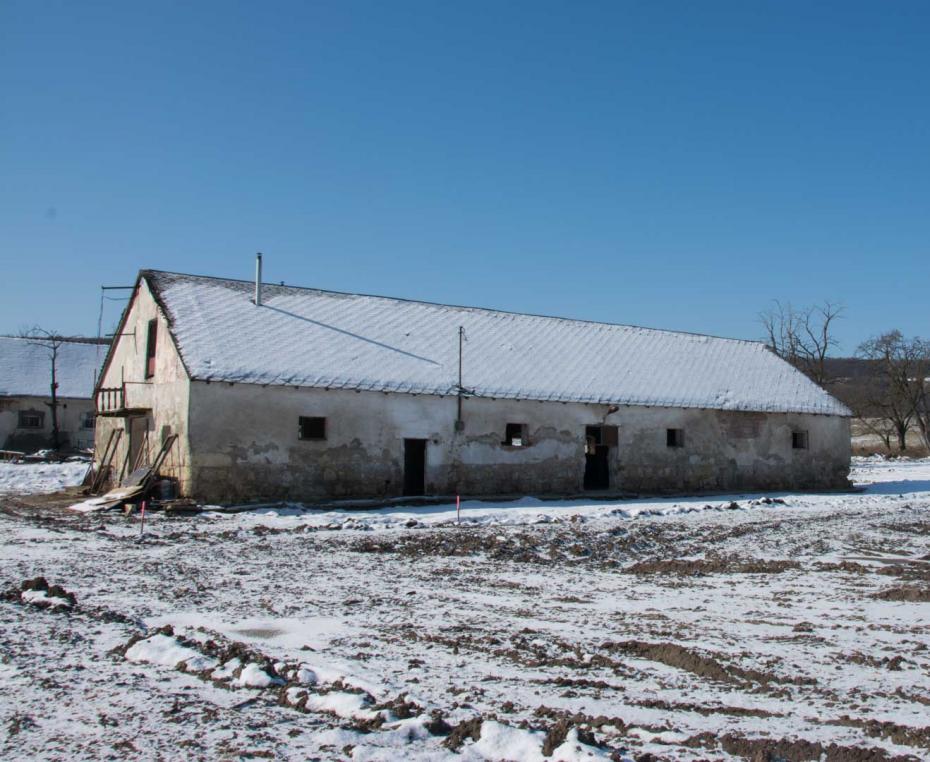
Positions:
(843, 368)
(848, 378)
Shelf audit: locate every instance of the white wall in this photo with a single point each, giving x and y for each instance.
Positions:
(245, 445)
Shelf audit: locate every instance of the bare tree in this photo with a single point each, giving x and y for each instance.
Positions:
(51, 341)
(898, 393)
(922, 384)
(802, 337)
(860, 397)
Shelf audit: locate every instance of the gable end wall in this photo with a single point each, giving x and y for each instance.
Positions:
(166, 395)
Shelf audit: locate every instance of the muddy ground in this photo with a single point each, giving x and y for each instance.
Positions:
(789, 627)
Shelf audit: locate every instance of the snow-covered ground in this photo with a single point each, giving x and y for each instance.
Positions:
(740, 626)
(35, 478)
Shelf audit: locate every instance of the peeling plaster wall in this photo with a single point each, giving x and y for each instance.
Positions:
(245, 446)
(167, 398)
(726, 451)
(71, 412)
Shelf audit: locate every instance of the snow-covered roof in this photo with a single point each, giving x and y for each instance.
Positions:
(26, 369)
(309, 337)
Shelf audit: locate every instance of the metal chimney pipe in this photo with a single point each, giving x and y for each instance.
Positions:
(258, 279)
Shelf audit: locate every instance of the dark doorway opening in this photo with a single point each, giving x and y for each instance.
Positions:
(414, 466)
(596, 468)
(139, 445)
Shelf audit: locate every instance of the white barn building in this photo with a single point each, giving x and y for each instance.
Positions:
(312, 395)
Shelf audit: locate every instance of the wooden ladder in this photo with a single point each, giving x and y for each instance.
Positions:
(103, 474)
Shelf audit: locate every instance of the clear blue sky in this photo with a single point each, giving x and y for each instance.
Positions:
(670, 164)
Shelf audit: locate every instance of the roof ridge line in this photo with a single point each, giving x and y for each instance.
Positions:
(460, 307)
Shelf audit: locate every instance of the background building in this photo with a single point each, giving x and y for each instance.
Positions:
(25, 393)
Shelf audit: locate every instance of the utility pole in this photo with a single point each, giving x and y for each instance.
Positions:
(459, 423)
(50, 341)
(56, 432)
(459, 426)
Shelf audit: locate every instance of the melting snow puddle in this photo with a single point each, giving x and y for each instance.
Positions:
(260, 633)
(284, 637)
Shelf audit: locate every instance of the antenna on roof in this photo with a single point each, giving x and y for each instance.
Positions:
(258, 279)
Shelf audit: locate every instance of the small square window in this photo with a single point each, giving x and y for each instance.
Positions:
(311, 428)
(799, 440)
(675, 437)
(515, 435)
(31, 419)
(88, 420)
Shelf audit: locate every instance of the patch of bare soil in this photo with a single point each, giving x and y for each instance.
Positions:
(674, 655)
(916, 698)
(911, 527)
(566, 542)
(779, 750)
(886, 662)
(579, 682)
(847, 567)
(911, 572)
(890, 731)
(904, 594)
(41, 502)
(711, 565)
(525, 649)
(588, 721)
(732, 711)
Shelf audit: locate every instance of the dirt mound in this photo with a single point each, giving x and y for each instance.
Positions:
(590, 721)
(437, 725)
(552, 543)
(462, 732)
(904, 594)
(890, 731)
(401, 707)
(713, 565)
(799, 750)
(38, 592)
(707, 711)
(222, 652)
(524, 650)
(674, 655)
(558, 732)
(850, 567)
(885, 662)
(911, 572)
